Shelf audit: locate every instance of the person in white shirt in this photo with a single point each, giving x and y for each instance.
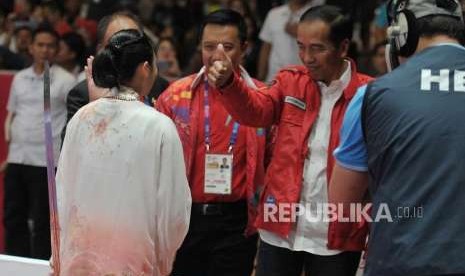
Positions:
(278, 35)
(26, 191)
(122, 193)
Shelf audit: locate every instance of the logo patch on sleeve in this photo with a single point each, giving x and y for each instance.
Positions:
(295, 102)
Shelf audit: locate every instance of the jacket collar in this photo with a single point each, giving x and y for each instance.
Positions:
(354, 83)
(29, 73)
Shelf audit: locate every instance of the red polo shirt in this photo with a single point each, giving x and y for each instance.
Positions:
(221, 130)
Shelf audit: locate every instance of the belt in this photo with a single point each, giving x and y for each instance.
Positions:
(219, 208)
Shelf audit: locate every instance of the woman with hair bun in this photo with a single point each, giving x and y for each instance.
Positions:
(123, 198)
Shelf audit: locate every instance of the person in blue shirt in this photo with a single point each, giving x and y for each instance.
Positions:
(402, 142)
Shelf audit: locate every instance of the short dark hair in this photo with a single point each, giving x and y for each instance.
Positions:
(226, 17)
(432, 25)
(46, 29)
(54, 6)
(23, 28)
(77, 44)
(168, 39)
(106, 20)
(117, 62)
(340, 24)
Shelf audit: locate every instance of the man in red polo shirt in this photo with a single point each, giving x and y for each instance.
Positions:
(224, 160)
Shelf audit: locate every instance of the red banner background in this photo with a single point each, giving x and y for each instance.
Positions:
(6, 77)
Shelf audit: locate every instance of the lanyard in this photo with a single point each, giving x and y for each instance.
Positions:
(235, 131)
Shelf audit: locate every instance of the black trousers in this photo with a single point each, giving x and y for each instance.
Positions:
(215, 244)
(278, 261)
(26, 197)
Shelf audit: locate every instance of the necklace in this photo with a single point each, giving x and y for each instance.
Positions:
(124, 94)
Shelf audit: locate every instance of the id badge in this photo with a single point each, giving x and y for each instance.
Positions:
(218, 174)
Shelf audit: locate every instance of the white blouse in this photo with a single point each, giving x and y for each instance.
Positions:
(123, 197)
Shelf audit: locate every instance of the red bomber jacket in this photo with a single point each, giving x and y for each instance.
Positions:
(292, 102)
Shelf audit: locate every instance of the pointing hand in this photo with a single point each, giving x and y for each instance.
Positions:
(221, 70)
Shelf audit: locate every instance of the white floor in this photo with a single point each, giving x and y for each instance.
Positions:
(18, 266)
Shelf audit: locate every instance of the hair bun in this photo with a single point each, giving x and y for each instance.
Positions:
(103, 69)
(110, 80)
(117, 46)
(116, 64)
(114, 48)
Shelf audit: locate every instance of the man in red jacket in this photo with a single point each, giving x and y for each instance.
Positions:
(307, 103)
(224, 160)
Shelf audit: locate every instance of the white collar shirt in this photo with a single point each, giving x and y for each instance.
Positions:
(26, 103)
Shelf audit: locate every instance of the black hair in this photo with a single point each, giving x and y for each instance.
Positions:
(23, 28)
(54, 6)
(77, 44)
(171, 41)
(432, 25)
(106, 20)
(116, 63)
(226, 17)
(340, 24)
(245, 4)
(47, 29)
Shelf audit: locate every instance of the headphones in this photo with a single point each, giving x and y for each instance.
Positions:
(402, 30)
(402, 16)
